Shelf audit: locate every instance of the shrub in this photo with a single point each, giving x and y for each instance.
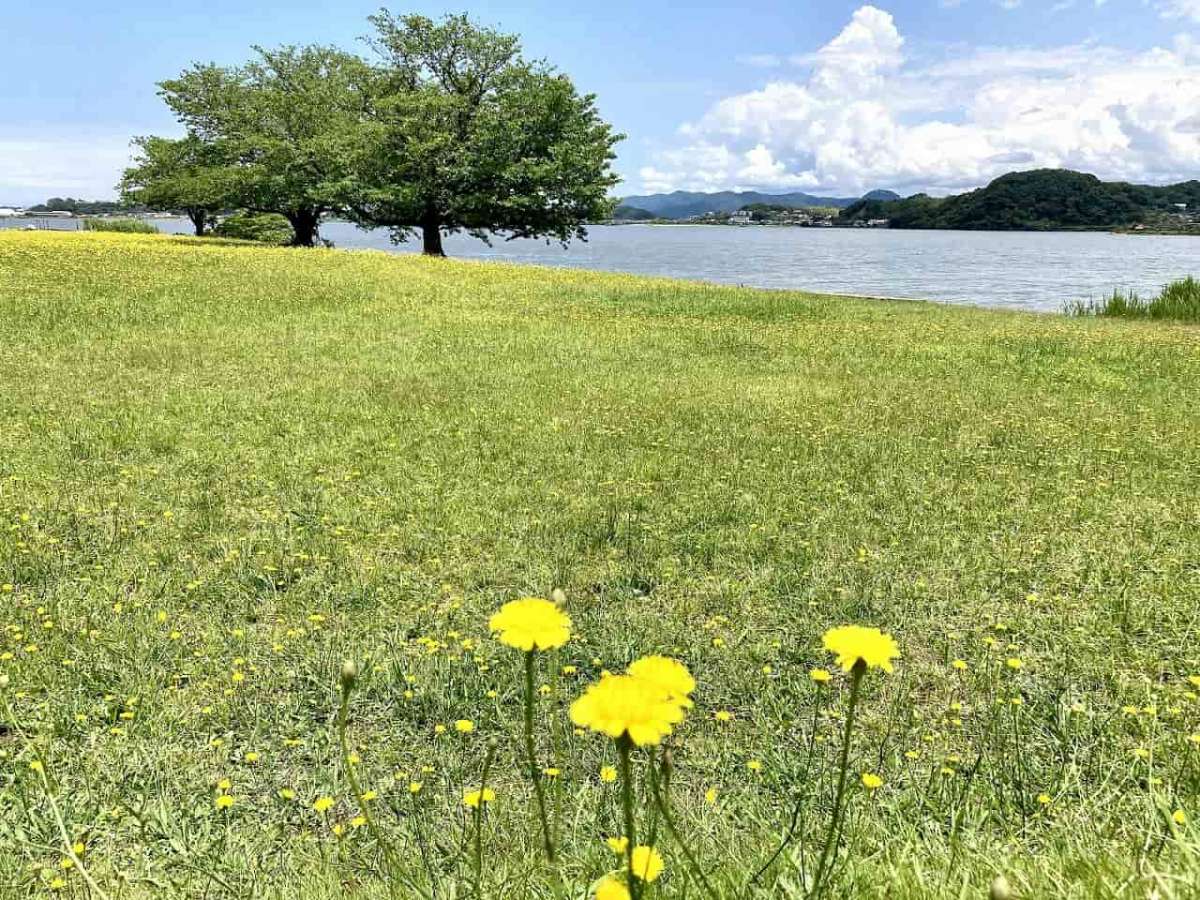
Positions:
(1179, 301)
(264, 228)
(127, 226)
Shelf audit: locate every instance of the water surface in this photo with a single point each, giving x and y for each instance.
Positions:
(1022, 270)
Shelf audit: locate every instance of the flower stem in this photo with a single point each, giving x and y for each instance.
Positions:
(535, 774)
(624, 746)
(660, 801)
(487, 765)
(834, 835)
(384, 845)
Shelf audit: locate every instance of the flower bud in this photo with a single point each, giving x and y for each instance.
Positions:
(349, 674)
(1000, 889)
(559, 597)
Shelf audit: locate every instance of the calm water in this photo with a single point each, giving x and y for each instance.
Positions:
(1016, 270)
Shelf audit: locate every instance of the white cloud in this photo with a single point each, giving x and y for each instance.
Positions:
(34, 167)
(865, 116)
(1180, 9)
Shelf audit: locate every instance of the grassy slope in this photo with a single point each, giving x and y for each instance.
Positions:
(229, 442)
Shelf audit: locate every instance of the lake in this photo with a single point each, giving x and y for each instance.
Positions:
(1019, 270)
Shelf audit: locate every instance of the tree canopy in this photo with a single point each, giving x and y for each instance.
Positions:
(465, 134)
(186, 174)
(451, 129)
(282, 124)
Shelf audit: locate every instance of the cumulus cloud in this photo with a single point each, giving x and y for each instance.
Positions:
(866, 116)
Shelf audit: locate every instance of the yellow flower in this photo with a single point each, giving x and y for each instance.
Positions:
(611, 889)
(474, 798)
(754, 765)
(871, 781)
(960, 664)
(224, 801)
(1044, 799)
(531, 623)
(1179, 817)
(852, 644)
(820, 676)
(710, 796)
(323, 804)
(608, 774)
(1014, 663)
(617, 844)
(464, 726)
(621, 704)
(722, 715)
(647, 863)
(668, 675)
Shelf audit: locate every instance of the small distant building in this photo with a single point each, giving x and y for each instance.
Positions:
(1181, 206)
(7, 213)
(742, 217)
(878, 223)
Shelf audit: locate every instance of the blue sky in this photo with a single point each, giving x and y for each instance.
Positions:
(832, 97)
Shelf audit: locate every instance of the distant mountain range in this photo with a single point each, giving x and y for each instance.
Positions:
(685, 204)
(1041, 200)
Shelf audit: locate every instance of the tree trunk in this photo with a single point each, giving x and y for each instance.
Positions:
(199, 219)
(431, 234)
(304, 227)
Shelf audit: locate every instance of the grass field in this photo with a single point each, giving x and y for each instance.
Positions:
(224, 469)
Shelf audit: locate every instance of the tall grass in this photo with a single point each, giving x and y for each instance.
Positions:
(1179, 301)
(124, 226)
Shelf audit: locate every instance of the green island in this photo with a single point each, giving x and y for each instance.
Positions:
(225, 468)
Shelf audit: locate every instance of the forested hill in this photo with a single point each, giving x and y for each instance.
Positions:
(1042, 199)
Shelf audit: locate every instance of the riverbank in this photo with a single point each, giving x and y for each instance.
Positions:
(225, 468)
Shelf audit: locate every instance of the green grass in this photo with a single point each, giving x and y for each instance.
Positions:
(121, 226)
(220, 459)
(1178, 301)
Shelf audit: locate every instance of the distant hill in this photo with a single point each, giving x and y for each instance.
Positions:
(684, 204)
(1038, 200)
(626, 213)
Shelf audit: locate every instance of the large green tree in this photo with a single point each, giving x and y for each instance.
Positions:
(464, 134)
(283, 123)
(186, 174)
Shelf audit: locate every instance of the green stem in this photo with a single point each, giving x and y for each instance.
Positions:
(388, 854)
(834, 835)
(487, 765)
(624, 746)
(535, 774)
(800, 798)
(669, 821)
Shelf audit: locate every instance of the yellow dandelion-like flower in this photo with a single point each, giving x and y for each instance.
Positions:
(1179, 817)
(871, 781)
(224, 801)
(414, 787)
(531, 623)
(1015, 663)
(621, 704)
(647, 863)
(323, 804)
(820, 676)
(464, 726)
(668, 675)
(722, 715)
(710, 796)
(474, 799)
(610, 888)
(852, 644)
(617, 845)
(960, 664)
(608, 774)
(1044, 799)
